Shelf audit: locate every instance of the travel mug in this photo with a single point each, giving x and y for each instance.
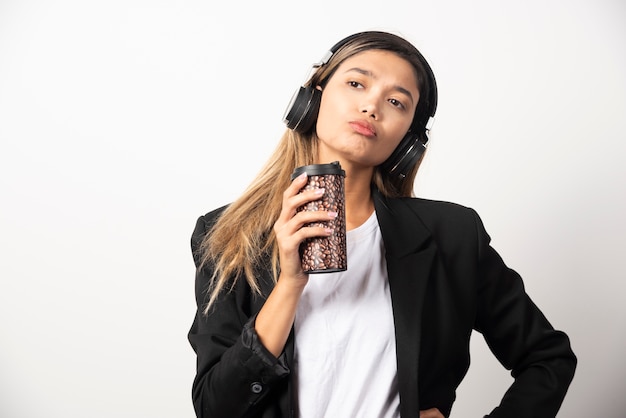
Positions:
(325, 254)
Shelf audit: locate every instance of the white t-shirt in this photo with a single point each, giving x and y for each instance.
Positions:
(345, 349)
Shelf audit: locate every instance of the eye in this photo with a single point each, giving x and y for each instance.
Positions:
(355, 84)
(397, 103)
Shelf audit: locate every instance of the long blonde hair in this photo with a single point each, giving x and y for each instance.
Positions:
(243, 235)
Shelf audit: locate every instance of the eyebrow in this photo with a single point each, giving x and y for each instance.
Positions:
(370, 74)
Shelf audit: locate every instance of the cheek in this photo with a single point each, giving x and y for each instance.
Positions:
(401, 128)
(320, 122)
(393, 141)
(324, 121)
(392, 145)
(397, 135)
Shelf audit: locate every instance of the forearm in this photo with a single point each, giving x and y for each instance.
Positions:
(276, 317)
(540, 357)
(233, 377)
(538, 391)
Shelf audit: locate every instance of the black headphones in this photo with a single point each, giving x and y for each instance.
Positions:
(301, 114)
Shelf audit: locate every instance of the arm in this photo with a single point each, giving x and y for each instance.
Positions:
(539, 357)
(240, 353)
(234, 370)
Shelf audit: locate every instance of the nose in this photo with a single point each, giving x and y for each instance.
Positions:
(370, 108)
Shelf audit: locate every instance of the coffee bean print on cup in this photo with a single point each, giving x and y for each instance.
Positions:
(325, 254)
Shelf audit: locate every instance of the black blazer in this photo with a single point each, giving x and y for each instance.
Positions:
(445, 280)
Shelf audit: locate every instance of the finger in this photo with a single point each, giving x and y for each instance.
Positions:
(431, 413)
(296, 185)
(305, 217)
(305, 224)
(292, 198)
(307, 196)
(291, 204)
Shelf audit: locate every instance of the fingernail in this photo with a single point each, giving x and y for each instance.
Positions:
(319, 192)
(332, 214)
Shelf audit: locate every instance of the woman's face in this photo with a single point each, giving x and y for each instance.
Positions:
(367, 107)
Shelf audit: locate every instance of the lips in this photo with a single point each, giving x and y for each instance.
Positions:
(364, 128)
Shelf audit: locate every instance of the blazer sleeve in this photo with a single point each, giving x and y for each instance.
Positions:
(234, 371)
(539, 357)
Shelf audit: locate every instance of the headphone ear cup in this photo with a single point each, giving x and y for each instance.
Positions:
(303, 108)
(405, 156)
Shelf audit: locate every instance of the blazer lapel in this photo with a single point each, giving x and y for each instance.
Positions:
(410, 253)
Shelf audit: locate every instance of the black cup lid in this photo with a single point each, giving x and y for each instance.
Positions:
(319, 170)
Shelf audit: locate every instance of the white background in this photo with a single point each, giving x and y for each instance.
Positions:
(122, 121)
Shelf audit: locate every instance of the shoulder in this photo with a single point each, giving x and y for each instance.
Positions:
(204, 223)
(435, 206)
(437, 211)
(442, 219)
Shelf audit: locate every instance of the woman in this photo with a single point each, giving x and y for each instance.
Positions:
(389, 337)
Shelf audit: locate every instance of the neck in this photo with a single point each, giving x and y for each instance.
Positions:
(359, 201)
